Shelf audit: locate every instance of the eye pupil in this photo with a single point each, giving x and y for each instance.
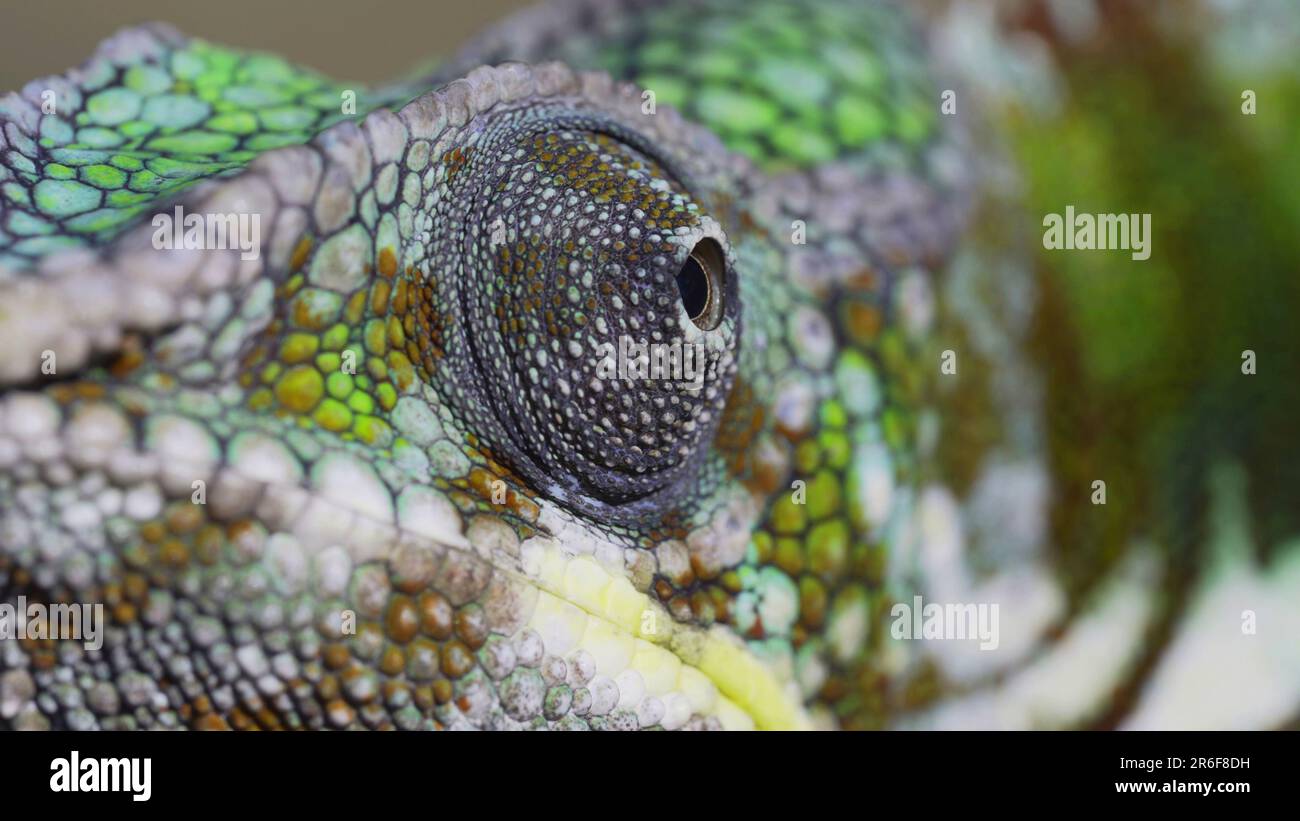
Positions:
(700, 284)
(693, 283)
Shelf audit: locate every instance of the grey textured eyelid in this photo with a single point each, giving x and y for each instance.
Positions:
(83, 300)
(487, 374)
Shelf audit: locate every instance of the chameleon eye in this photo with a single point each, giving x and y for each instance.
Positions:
(701, 284)
(593, 345)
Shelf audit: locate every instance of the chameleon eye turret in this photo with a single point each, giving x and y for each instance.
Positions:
(595, 344)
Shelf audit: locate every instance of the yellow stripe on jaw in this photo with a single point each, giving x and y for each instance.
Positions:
(581, 605)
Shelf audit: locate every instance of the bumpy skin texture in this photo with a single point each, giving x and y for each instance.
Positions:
(473, 527)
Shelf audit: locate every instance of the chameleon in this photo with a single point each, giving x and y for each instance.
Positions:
(386, 464)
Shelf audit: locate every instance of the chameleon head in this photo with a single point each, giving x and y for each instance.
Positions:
(520, 279)
(596, 311)
(475, 440)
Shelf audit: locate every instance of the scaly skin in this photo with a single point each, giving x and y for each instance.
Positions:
(521, 540)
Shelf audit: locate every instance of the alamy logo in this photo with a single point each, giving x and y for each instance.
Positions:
(1099, 232)
(77, 774)
(76, 622)
(210, 232)
(945, 621)
(675, 361)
